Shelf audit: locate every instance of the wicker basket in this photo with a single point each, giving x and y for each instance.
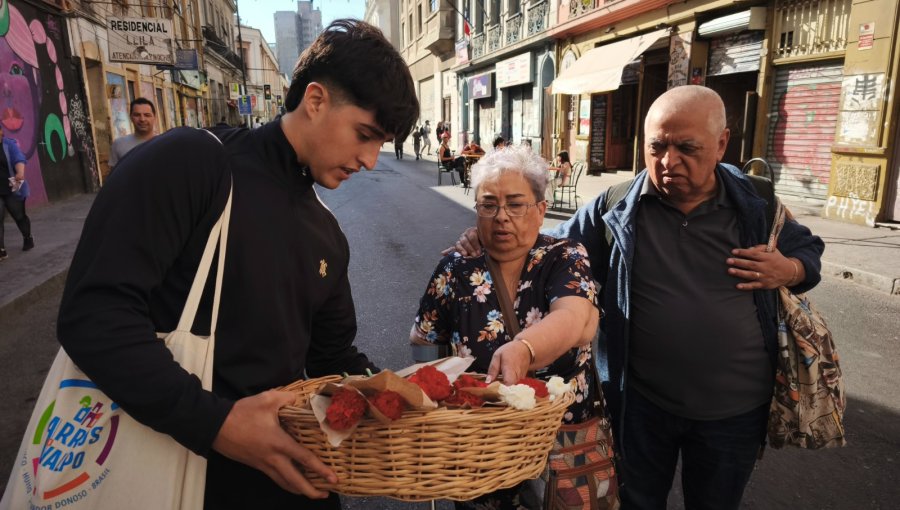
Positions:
(441, 454)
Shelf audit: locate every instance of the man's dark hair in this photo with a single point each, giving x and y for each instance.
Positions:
(499, 141)
(564, 157)
(356, 63)
(142, 100)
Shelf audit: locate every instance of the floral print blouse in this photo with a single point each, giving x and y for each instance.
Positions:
(460, 307)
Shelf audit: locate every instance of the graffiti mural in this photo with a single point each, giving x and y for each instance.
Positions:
(37, 89)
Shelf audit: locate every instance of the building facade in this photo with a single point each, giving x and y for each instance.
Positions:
(264, 80)
(294, 32)
(805, 84)
(223, 64)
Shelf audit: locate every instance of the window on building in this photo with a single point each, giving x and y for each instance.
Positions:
(495, 12)
(434, 5)
(513, 7)
(410, 29)
(419, 8)
(402, 34)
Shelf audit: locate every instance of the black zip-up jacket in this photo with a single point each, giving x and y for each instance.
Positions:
(286, 312)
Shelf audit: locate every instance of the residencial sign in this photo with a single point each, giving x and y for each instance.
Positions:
(480, 86)
(234, 90)
(514, 71)
(141, 40)
(267, 92)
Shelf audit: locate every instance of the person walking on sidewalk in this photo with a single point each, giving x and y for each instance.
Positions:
(143, 117)
(398, 147)
(286, 307)
(426, 138)
(417, 141)
(689, 335)
(13, 192)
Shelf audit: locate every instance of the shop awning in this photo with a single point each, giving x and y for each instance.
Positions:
(600, 69)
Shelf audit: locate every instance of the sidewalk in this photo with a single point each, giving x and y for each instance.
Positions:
(865, 255)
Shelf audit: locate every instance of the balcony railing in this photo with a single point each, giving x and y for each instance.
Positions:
(537, 18)
(478, 45)
(514, 28)
(494, 38)
(579, 7)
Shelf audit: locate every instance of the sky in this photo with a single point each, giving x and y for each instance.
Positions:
(260, 13)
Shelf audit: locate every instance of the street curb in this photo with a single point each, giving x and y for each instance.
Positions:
(874, 281)
(21, 304)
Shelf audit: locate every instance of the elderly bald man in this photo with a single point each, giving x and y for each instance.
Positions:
(689, 332)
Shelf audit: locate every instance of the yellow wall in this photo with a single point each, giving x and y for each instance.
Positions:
(862, 155)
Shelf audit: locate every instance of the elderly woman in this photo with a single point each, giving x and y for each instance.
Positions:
(548, 280)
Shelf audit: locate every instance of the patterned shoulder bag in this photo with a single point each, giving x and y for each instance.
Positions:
(808, 404)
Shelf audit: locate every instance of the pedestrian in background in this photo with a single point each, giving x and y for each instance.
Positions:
(13, 192)
(398, 147)
(417, 141)
(426, 138)
(286, 307)
(143, 118)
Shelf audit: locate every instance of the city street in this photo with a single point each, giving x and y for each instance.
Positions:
(397, 223)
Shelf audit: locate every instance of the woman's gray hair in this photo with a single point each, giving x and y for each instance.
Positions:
(518, 159)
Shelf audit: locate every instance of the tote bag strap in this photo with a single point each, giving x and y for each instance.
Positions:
(777, 225)
(218, 236)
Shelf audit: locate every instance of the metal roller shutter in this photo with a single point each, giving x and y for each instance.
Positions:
(802, 122)
(738, 53)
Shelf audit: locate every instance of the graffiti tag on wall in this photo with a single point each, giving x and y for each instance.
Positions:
(851, 209)
(862, 98)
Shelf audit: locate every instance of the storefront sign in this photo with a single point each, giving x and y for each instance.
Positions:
(192, 79)
(234, 90)
(267, 92)
(244, 106)
(514, 71)
(480, 86)
(462, 52)
(141, 40)
(866, 36)
(278, 100)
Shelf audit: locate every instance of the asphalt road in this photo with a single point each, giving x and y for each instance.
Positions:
(397, 224)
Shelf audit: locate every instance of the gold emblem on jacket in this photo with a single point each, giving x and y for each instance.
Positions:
(323, 268)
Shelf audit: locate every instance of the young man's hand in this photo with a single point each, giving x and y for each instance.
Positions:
(467, 245)
(253, 436)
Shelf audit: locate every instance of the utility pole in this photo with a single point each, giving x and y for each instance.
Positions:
(243, 63)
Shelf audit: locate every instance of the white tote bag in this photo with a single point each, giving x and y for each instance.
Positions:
(82, 451)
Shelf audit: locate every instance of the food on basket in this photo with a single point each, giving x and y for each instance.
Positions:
(518, 396)
(346, 408)
(389, 403)
(540, 388)
(433, 382)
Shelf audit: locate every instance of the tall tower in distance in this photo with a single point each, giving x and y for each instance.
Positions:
(294, 32)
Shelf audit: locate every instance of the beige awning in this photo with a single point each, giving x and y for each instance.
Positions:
(600, 69)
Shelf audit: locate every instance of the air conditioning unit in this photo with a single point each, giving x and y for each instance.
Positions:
(753, 18)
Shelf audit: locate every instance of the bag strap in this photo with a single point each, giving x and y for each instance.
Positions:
(218, 236)
(506, 306)
(777, 225)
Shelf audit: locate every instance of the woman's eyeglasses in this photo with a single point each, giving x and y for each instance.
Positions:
(513, 209)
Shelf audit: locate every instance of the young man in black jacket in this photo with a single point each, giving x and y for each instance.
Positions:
(286, 311)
